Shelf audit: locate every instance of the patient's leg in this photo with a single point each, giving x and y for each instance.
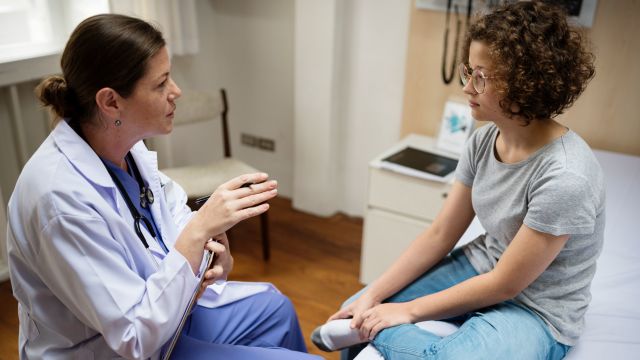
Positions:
(452, 270)
(336, 335)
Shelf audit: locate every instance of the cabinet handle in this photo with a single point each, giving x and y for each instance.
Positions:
(444, 195)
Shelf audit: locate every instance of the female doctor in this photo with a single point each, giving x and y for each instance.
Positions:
(104, 254)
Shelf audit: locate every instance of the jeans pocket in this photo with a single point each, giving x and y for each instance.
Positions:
(440, 345)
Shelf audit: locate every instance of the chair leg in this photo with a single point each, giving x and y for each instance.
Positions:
(264, 228)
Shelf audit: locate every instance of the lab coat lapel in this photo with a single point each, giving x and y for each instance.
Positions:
(82, 157)
(147, 162)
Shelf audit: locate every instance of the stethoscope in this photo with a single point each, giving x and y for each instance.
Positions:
(146, 199)
(447, 78)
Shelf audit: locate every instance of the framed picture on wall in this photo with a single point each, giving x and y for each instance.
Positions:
(455, 127)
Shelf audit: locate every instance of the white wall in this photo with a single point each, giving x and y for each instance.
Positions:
(247, 47)
(347, 62)
(376, 38)
(318, 143)
(19, 108)
(349, 80)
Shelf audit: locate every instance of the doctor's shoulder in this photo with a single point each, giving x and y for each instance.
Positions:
(50, 186)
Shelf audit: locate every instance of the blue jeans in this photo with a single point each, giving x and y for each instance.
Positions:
(503, 331)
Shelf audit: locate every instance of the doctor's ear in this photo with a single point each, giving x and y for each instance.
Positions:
(108, 102)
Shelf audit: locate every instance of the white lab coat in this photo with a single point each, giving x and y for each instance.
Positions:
(87, 288)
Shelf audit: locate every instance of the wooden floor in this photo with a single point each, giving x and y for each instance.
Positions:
(315, 261)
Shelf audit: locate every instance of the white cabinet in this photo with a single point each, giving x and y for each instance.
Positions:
(399, 207)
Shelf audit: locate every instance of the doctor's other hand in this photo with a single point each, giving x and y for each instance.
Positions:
(238, 199)
(222, 264)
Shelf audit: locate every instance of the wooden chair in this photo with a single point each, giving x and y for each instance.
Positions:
(202, 180)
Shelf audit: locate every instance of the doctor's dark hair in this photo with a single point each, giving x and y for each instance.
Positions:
(107, 50)
(541, 64)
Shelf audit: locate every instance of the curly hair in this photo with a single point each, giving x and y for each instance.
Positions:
(540, 62)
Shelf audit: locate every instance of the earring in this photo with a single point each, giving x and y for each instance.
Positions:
(118, 122)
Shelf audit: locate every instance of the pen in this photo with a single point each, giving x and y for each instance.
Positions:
(201, 200)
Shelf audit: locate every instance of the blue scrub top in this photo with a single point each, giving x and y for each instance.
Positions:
(133, 191)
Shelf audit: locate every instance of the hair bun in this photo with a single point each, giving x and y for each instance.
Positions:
(54, 93)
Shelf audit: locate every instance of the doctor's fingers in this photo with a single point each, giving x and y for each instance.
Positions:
(210, 277)
(256, 199)
(251, 189)
(238, 181)
(249, 212)
(227, 201)
(215, 247)
(249, 193)
(213, 274)
(222, 239)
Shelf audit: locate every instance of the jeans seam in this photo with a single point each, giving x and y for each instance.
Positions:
(401, 349)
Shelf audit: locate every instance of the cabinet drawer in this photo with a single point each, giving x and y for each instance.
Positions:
(407, 195)
(386, 236)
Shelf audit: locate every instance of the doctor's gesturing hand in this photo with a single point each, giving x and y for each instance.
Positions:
(231, 203)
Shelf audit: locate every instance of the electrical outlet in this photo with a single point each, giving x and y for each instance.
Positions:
(267, 144)
(248, 140)
(258, 142)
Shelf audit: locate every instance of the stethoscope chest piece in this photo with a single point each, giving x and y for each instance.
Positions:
(146, 197)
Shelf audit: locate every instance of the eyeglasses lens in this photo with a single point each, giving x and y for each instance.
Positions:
(478, 81)
(477, 78)
(464, 74)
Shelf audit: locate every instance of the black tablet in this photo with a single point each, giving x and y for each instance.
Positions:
(424, 161)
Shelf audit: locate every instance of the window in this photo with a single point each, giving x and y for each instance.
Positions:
(34, 28)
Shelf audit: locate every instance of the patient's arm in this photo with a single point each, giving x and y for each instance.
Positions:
(433, 244)
(528, 255)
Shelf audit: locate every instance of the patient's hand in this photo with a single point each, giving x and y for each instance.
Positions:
(355, 310)
(383, 316)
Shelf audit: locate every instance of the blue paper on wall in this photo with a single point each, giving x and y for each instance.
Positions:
(455, 128)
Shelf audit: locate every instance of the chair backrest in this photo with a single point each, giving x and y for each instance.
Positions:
(196, 106)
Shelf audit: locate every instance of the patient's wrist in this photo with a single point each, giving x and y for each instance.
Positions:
(413, 310)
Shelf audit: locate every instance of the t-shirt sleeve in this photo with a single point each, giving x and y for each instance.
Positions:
(561, 204)
(466, 169)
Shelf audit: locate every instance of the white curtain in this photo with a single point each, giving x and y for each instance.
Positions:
(175, 18)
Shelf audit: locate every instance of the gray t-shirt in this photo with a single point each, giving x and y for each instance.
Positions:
(558, 190)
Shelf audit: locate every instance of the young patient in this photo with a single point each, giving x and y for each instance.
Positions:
(519, 291)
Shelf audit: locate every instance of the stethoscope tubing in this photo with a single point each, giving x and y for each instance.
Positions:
(137, 217)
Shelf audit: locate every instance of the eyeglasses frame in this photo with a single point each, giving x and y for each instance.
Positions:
(463, 71)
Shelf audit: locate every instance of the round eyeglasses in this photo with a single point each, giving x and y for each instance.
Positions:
(478, 78)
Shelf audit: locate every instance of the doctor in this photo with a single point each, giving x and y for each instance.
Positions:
(104, 254)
